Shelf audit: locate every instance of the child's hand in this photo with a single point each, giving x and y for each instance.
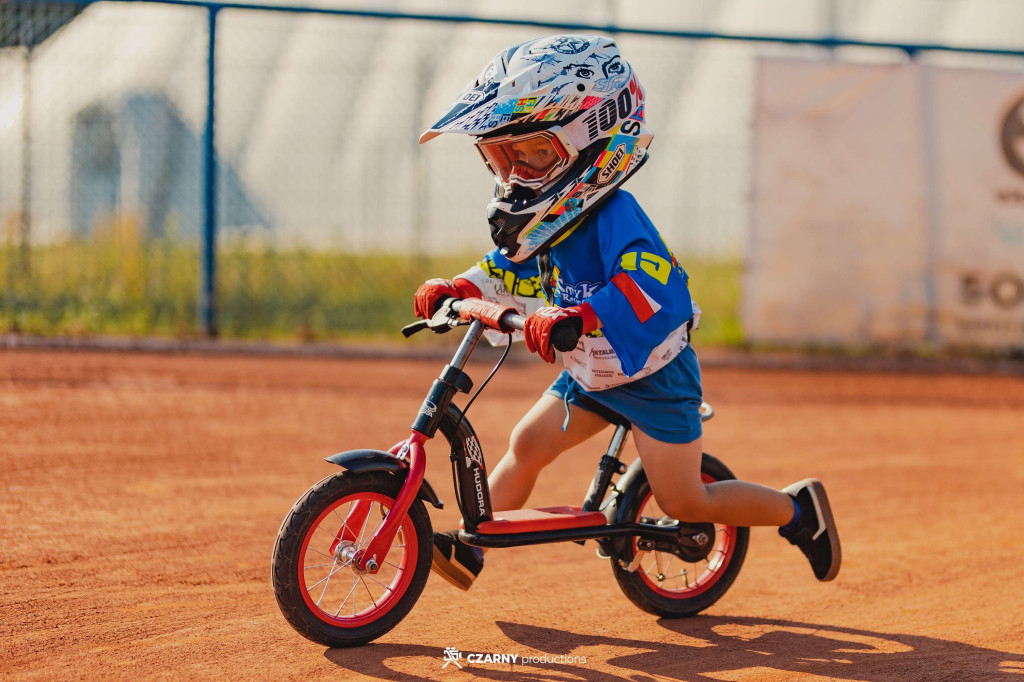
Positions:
(433, 292)
(540, 325)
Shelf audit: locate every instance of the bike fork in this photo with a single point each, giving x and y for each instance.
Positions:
(428, 420)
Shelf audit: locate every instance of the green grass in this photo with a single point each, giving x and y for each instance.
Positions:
(115, 283)
(716, 286)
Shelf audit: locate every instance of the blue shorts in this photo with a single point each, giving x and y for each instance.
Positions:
(664, 405)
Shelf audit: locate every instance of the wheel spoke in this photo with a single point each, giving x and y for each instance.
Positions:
(368, 591)
(342, 605)
(359, 540)
(386, 587)
(333, 536)
(330, 574)
(326, 581)
(306, 568)
(327, 556)
(372, 532)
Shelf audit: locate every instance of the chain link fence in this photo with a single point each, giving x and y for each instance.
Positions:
(329, 213)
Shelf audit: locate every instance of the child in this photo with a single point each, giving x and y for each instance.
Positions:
(559, 121)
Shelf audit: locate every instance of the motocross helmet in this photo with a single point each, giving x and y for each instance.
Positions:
(559, 122)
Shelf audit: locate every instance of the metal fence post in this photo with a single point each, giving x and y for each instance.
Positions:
(208, 269)
(25, 232)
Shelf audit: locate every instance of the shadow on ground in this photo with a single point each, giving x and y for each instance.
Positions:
(707, 647)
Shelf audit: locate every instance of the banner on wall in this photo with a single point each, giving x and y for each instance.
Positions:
(888, 206)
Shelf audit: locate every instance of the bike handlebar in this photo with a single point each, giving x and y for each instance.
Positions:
(563, 339)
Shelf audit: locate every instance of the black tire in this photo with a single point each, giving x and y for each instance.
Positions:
(713, 575)
(310, 554)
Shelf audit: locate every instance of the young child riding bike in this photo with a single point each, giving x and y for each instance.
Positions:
(559, 121)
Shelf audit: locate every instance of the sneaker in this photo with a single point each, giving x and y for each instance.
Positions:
(815, 533)
(455, 561)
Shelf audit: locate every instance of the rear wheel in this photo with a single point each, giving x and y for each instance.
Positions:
(319, 588)
(684, 581)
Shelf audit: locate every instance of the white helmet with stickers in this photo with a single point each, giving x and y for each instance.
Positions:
(559, 121)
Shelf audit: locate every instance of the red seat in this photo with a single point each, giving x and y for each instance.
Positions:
(536, 520)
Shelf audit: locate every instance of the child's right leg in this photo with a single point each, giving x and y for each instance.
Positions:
(536, 441)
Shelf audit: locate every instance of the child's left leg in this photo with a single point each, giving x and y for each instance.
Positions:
(673, 470)
(801, 512)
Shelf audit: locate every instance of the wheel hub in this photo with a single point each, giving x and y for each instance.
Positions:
(695, 541)
(347, 554)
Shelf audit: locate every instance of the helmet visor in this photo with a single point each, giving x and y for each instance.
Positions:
(530, 160)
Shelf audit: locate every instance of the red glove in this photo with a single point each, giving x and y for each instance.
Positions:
(432, 292)
(542, 323)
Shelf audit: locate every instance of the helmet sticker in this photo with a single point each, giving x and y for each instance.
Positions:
(612, 165)
(568, 44)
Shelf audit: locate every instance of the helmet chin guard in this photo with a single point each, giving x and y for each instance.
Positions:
(562, 102)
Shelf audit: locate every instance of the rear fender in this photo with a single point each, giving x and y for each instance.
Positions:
(358, 461)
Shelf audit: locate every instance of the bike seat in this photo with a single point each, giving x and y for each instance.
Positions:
(608, 414)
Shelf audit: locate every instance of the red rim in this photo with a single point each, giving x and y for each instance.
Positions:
(705, 573)
(333, 590)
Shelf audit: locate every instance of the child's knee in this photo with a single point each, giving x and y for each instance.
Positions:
(692, 507)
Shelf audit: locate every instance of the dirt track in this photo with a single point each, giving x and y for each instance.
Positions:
(140, 496)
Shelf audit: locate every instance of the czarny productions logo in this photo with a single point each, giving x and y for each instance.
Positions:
(453, 655)
(1012, 136)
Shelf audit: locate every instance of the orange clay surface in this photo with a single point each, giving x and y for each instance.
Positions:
(140, 496)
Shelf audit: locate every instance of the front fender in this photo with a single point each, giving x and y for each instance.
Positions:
(358, 461)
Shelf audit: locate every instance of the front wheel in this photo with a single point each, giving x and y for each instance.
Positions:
(673, 584)
(319, 588)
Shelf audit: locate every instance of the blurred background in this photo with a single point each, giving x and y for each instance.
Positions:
(839, 174)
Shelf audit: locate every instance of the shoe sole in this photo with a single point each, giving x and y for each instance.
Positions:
(824, 510)
(447, 570)
(826, 521)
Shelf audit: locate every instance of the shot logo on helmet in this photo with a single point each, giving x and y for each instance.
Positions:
(1012, 136)
(612, 165)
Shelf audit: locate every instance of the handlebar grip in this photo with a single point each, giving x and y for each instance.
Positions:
(564, 339)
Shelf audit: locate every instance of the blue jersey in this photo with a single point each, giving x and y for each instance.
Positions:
(618, 263)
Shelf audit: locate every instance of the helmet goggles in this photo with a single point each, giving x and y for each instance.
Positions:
(530, 160)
